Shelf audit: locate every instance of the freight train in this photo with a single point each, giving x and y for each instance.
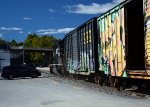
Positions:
(112, 49)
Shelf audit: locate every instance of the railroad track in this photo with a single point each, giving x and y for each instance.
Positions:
(129, 93)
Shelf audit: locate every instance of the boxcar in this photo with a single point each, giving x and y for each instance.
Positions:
(80, 49)
(123, 41)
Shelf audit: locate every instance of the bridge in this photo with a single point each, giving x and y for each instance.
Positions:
(33, 49)
(18, 54)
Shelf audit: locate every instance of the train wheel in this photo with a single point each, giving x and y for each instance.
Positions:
(104, 81)
(100, 81)
(124, 84)
(71, 76)
(117, 83)
(96, 79)
(120, 84)
(74, 76)
(111, 81)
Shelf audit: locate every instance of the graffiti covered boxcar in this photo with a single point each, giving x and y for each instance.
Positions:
(80, 50)
(121, 39)
(123, 43)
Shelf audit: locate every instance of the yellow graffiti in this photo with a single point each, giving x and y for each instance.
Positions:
(113, 42)
(147, 34)
(87, 37)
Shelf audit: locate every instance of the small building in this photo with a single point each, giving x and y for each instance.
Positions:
(4, 56)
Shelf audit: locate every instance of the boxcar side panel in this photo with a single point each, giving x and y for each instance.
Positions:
(74, 52)
(112, 42)
(79, 49)
(69, 61)
(147, 32)
(86, 48)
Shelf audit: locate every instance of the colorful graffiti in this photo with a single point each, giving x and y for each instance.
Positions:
(72, 66)
(112, 43)
(85, 51)
(79, 52)
(147, 32)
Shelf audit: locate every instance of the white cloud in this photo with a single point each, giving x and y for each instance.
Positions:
(65, 30)
(53, 31)
(27, 18)
(21, 32)
(94, 8)
(10, 28)
(51, 10)
(45, 30)
(1, 35)
(118, 1)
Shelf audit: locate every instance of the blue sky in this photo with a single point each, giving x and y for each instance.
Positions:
(18, 18)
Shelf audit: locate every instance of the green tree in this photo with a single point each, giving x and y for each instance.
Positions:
(34, 40)
(20, 44)
(13, 43)
(2, 41)
(29, 40)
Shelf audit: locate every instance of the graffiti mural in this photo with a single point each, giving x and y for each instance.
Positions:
(79, 49)
(147, 32)
(85, 46)
(112, 43)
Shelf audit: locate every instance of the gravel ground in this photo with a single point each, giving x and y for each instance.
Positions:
(51, 91)
(93, 86)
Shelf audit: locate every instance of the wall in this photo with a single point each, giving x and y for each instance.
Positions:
(5, 55)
